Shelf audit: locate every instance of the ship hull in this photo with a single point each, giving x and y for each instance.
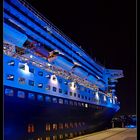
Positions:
(18, 113)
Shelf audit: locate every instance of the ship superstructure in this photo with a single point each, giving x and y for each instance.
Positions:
(53, 89)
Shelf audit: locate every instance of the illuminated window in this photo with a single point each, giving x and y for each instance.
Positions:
(40, 73)
(10, 77)
(54, 100)
(48, 138)
(47, 76)
(74, 94)
(66, 125)
(86, 105)
(40, 85)
(54, 138)
(48, 127)
(66, 135)
(71, 125)
(31, 70)
(30, 128)
(60, 136)
(70, 93)
(31, 83)
(9, 92)
(21, 94)
(11, 63)
(39, 138)
(48, 99)
(21, 80)
(83, 104)
(31, 96)
(54, 126)
(66, 102)
(60, 90)
(54, 89)
(60, 101)
(48, 87)
(39, 97)
(60, 125)
(71, 135)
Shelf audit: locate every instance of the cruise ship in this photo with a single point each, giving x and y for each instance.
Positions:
(53, 89)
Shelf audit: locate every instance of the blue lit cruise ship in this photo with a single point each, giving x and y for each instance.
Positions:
(52, 89)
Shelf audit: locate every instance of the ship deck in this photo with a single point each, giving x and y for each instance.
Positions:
(111, 134)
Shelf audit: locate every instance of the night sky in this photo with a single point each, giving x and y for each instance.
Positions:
(106, 30)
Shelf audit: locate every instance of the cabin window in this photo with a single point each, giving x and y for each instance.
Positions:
(11, 63)
(66, 102)
(54, 100)
(60, 125)
(31, 70)
(70, 93)
(40, 85)
(60, 90)
(54, 138)
(78, 95)
(21, 94)
(40, 73)
(39, 97)
(60, 101)
(66, 125)
(60, 136)
(31, 83)
(82, 97)
(48, 99)
(71, 125)
(9, 92)
(89, 98)
(54, 89)
(85, 97)
(10, 77)
(31, 96)
(83, 104)
(48, 127)
(21, 80)
(74, 94)
(75, 103)
(54, 126)
(22, 66)
(66, 135)
(30, 128)
(71, 102)
(47, 76)
(79, 104)
(71, 135)
(48, 87)
(48, 138)
(86, 105)
(75, 124)
(39, 138)
(65, 92)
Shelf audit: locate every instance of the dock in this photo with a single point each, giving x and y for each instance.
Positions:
(111, 134)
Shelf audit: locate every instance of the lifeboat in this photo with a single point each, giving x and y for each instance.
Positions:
(61, 61)
(13, 36)
(78, 70)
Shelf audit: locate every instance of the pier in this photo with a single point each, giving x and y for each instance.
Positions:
(111, 134)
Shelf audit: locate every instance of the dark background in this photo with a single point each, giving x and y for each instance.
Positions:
(106, 30)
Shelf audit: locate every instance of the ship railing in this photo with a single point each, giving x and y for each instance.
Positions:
(10, 51)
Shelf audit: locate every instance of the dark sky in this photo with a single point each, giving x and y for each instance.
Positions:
(106, 30)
